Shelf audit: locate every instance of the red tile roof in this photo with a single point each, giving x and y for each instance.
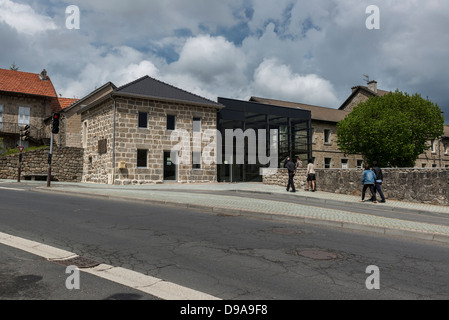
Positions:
(66, 102)
(60, 104)
(26, 83)
(31, 83)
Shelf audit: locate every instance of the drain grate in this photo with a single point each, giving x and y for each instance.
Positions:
(79, 262)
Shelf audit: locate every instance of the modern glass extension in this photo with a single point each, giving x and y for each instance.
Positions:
(293, 138)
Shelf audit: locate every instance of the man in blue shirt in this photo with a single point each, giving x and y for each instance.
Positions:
(368, 181)
(379, 179)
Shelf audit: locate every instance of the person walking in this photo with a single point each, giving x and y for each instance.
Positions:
(287, 160)
(368, 181)
(311, 176)
(379, 180)
(291, 167)
(298, 163)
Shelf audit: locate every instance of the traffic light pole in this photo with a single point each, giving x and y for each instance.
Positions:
(24, 136)
(50, 156)
(20, 163)
(54, 130)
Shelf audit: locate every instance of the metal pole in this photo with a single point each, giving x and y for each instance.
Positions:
(20, 166)
(50, 156)
(20, 159)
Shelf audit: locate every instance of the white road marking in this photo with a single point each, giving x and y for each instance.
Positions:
(153, 286)
(12, 189)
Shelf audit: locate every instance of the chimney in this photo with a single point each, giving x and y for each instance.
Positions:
(372, 85)
(43, 75)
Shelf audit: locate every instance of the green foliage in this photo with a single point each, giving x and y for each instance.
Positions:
(14, 67)
(393, 129)
(11, 151)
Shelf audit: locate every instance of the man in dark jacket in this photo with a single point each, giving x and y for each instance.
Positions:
(379, 180)
(291, 167)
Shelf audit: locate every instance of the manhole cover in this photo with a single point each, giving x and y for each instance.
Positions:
(317, 254)
(27, 279)
(79, 262)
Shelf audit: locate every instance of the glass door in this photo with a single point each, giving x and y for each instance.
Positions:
(170, 167)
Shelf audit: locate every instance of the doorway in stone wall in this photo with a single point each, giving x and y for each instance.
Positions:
(170, 167)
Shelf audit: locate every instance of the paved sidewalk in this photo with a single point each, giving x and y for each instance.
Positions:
(433, 226)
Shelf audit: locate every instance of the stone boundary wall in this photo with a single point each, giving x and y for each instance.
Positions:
(425, 185)
(67, 165)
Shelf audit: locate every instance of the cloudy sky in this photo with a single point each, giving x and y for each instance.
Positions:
(304, 51)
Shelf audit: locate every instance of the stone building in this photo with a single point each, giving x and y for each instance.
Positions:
(129, 133)
(325, 150)
(71, 129)
(27, 99)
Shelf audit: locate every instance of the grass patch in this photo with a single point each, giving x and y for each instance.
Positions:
(11, 151)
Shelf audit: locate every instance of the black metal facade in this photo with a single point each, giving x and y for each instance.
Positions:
(294, 135)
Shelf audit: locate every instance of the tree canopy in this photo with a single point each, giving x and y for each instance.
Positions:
(393, 129)
(14, 67)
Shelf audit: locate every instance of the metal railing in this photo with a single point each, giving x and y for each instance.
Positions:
(8, 128)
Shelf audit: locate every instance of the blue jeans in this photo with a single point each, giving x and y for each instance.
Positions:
(378, 188)
(371, 188)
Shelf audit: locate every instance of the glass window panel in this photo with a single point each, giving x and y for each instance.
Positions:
(196, 125)
(142, 158)
(143, 120)
(171, 122)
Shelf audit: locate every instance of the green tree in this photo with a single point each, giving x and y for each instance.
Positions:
(393, 129)
(14, 67)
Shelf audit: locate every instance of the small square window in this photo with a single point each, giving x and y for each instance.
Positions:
(327, 163)
(171, 122)
(359, 164)
(143, 120)
(142, 158)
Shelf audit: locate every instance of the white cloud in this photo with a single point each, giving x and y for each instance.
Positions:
(304, 51)
(120, 66)
(23, 18)
(275, 80)
(211, 60)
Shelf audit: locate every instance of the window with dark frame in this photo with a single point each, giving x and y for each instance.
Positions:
(142, 158)
(359, 164)
(171, 122)
(143, 120)
(327, 136)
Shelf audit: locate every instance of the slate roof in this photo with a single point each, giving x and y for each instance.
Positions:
(152, 88)
(26, 83)
(357, 89)
(318, 113)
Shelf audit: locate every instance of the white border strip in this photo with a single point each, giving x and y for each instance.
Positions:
(153, 286)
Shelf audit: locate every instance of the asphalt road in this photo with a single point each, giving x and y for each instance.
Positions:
(229, 257)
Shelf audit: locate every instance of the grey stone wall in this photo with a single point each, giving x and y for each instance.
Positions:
(409, 184)
(67, 164)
